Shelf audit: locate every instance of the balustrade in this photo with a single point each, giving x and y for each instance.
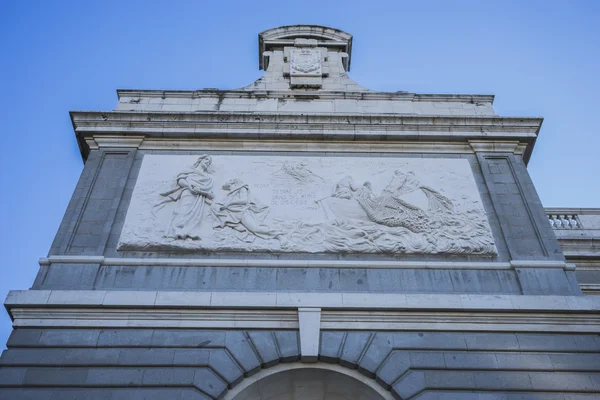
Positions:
(564, 221)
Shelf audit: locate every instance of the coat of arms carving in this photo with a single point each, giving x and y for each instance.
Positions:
(305, 62)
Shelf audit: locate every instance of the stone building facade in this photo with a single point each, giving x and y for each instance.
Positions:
(306, 237)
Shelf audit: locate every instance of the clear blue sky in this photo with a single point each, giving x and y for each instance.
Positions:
(540, 58)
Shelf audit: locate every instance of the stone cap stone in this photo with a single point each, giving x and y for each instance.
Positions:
(287, 35)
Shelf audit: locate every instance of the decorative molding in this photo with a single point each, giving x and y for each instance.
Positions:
(97, 142)
(121, 141)
(92, 144)
(316, 127)
(570, 267)
(305, 146)
(71, 260)
(294, 300)
(448, 321)
(541, 264)
(521, 149)
(590, 288)
(494, 146)
(577, 211)
(583, 264)
(302, 310)
(307, 320)
(581, 250)
(155, 318)
(244, 94)
(224, 262)
(360, 125)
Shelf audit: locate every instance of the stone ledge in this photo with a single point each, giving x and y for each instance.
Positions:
(293, 300)
(136, 120)
(590, 288)
(432, 147)
(371, 95)
(308, 322)
(225, 262)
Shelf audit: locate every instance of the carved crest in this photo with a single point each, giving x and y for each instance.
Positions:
(306, 62)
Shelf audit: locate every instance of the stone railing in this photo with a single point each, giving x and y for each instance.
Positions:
(574, 218)
(564, 221)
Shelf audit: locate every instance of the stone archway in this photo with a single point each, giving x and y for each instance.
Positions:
(296, 381)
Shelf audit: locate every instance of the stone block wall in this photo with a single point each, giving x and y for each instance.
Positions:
(95, 217)
(92, 210)
(205, 364)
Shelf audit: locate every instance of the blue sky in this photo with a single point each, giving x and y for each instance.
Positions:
(540, 58)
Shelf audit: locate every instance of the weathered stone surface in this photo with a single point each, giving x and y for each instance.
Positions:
(218, 216)
(403, 362)
(300, 205)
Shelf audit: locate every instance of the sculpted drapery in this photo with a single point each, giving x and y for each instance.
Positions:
(268, 203)
(239, 211)
(191, 192)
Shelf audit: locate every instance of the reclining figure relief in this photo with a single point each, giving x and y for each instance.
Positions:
(240, 212)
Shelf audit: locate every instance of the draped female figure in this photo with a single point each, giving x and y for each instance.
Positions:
(191, 191)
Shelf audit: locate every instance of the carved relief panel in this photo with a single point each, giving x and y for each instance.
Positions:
(306, 204)
(305, 62)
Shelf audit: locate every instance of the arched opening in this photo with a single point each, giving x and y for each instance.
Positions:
(298, 381)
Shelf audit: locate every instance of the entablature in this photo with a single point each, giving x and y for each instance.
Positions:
(306, 132)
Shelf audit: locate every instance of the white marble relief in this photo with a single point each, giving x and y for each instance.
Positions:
(297, 171)
(306, 205)
(240, 212)
(191, 190)
(305, 62)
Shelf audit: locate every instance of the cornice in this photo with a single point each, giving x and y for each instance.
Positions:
(501, 124)
(590, 289)
(318, 94)
(130, 317)
(512, 134)
(292, 300)
(571, 210)
(96, 142)
(280, 310)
